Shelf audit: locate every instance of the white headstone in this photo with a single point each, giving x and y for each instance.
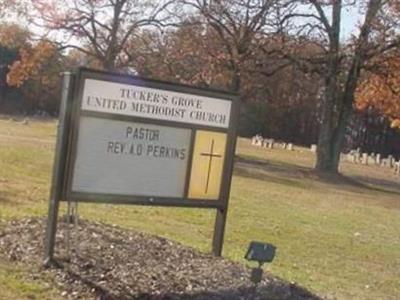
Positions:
(313, 148)
(378, 159)
(371, 159)
(365, 158)
(271, 144)
(397, 167)
(357, 157)
(390, 161)
(350, 157)
(257, 140)
(384, 162)
(268, 143)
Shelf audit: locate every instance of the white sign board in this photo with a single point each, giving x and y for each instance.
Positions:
(129, 158)
(145, 102)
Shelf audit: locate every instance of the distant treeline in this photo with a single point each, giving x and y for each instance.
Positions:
(279, 99)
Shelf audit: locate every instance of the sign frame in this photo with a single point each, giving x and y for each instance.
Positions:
(67, 147)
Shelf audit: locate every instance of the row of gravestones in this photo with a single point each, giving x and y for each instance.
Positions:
(354, 156)
(258, 140)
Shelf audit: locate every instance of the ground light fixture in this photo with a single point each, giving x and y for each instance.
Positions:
(261, 253)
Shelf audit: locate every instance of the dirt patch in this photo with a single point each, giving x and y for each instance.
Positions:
(108, 262)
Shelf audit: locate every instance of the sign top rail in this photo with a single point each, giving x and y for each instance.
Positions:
(137, 97)
(145, 81)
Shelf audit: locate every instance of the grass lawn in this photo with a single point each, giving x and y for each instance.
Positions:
(338, 238)
(14, 284)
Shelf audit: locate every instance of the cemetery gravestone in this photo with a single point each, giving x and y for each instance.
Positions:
(390, 161)
(264, 143)
(350, 156)
(271, 143)
(384, 162)
(365, 158)
(378, 159)
(257, 140)
(357, 157)
(268, 143)
(371, 159)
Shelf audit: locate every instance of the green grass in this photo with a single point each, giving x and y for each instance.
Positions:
(333, 237)
(14, 284)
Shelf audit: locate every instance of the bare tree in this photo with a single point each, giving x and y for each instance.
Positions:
(238, 24)
(98, 28)
(339, 63)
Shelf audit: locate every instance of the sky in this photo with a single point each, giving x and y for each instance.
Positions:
(351, 17)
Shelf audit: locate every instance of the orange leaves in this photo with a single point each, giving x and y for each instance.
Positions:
(381, 90)
(30, 63)
(13, 36)
(396, 123)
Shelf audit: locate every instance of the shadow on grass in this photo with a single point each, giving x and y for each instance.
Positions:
(364, 183)
(290, 291)
(377, 184)
(274, 290)
(273, 166)
(293, 175)
(260, 175)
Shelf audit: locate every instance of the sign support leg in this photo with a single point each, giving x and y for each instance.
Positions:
(51, 232)
(56, 191)
(220, 220)
(219, 231)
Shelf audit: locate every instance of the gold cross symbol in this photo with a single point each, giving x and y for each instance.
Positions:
(211, 155)
(207, 165)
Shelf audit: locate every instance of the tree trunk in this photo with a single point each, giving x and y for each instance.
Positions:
(3, 82)
(326, 161)
(109, 64)
(331, 139)
(2, 95)
(235, 82)
(331, 143)
(340, 134)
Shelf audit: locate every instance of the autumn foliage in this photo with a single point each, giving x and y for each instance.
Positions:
(381, 89)
(299, 76)
(29, 71)
(31, 61)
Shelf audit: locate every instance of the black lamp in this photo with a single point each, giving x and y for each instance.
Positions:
(261, 253)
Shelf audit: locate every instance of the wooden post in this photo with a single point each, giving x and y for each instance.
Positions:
(56, 189)
(219, 231)
(222, 212)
